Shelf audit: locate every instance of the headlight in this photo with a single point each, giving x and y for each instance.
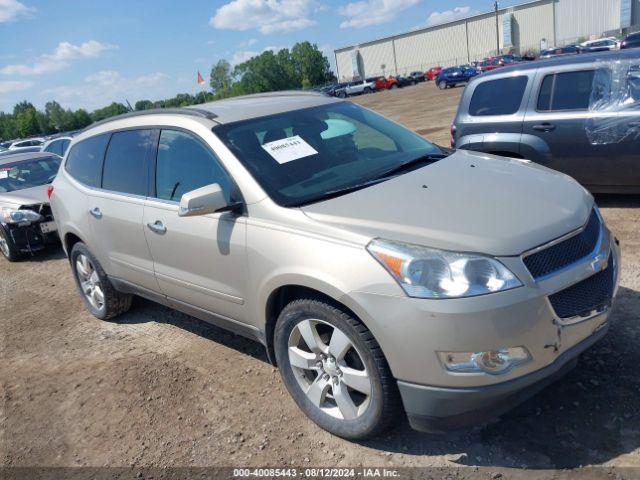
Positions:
(10, 215)
(430, 273)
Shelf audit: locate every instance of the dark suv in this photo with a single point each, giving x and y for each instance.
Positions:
(578, 115)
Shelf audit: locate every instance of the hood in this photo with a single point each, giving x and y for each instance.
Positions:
(27, 196)
(468, 201)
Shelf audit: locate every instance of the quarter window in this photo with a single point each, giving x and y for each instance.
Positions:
(498, 97)
(85, 160)
(185, 164)
(566, 91)
(124, 165)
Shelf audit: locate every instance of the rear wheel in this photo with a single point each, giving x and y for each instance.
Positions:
(368, 90)
(393, 86)
(335, 370)
(99, 295)
(8, 248)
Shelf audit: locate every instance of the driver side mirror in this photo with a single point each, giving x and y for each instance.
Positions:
(204, 200)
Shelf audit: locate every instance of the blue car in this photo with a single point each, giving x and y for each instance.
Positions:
(450, 77)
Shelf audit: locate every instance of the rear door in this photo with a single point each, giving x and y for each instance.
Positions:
(556, 122)
(117, 206)
(491, 114)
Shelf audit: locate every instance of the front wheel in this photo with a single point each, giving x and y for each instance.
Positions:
(335, 370)
(442, 85)
(342, 94)
(8, 248)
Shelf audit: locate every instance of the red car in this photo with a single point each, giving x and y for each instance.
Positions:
(432, 73)
(381, 83)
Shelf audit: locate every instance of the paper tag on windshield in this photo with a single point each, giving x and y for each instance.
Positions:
(289, 149)
(4, 173)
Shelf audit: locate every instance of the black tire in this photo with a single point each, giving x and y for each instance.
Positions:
(442, 85)
(8, 248)
(384, 407)
(393, 86)
(342, 94)
(115, 303)
(367, 90)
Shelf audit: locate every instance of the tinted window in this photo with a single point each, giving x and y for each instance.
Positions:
(498, 97)
(566, 91)
(124, 165)
(85, 160)
(336, 146)
(185, 164)
(55, 147)
(64, 145)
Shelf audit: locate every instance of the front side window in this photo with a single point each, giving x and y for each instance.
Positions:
(566, 91)
(184, 164)
(85, 159)
(28, 173)
(498, 97)
(55, 147)
(125, 169)
(306, 155)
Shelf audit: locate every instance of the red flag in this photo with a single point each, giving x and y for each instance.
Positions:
(200, 79)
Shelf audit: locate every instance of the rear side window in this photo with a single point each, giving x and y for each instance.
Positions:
(125, 168)
(85, 160)
(56, 147)
(184, 164)
(498, 97)
(566, 91)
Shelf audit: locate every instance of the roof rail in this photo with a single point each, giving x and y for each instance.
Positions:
(194, 112)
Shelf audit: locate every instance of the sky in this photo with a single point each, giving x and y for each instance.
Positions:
(87, 54)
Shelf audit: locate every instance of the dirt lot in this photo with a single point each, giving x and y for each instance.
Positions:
(158, 388)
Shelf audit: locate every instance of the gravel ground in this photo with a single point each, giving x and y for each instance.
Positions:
(157, 388)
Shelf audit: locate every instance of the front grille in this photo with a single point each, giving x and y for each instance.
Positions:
(565, 253)
(594, 293)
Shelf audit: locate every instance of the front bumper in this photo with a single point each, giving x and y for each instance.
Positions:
(30, 238)
(440, 409)
(412, 331)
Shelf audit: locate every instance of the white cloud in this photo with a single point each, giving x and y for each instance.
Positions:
(106, 86)
(64, 53)
(248, 43)
(242, 56)
(11, 10)
(457, 13)
(268, 16)
(7, 86)
(372, 12)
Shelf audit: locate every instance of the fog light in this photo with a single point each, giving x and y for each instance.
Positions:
(494, 362)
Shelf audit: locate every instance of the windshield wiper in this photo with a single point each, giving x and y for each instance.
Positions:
(338, 192)
(412, 164)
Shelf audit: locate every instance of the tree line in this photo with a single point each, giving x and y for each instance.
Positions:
(301, 67)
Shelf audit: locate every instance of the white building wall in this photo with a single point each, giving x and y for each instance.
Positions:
(343, 65)
(482, 36)
(532, 24)
(375, 55)
(583, 18)
(446, 45)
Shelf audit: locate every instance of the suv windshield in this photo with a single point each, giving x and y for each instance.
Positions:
(27, 174)
(303, 156)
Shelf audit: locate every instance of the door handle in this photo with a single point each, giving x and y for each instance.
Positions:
(544, 127)
(96, 212)
(157, 227)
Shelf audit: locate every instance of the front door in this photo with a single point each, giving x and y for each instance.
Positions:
(201, 260)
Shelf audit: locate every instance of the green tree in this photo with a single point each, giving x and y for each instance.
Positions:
(110, 111)
(143, 105)
(220, 78)
(27, 123)
(22, 107)
(81, 118)
(310, 64)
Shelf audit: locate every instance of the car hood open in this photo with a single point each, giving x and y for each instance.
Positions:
(27, 196)
(468, 201)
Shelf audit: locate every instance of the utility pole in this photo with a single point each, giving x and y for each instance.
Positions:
(495, 6)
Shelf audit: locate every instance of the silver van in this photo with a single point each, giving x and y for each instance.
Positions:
(579, 115)
(383, 275)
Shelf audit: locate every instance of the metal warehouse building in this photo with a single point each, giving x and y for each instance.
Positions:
(530, 26)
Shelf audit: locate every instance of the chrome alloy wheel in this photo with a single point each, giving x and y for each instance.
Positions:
(89, 282)
(329, 369)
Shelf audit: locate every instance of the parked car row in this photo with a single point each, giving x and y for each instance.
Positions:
(55, 144)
